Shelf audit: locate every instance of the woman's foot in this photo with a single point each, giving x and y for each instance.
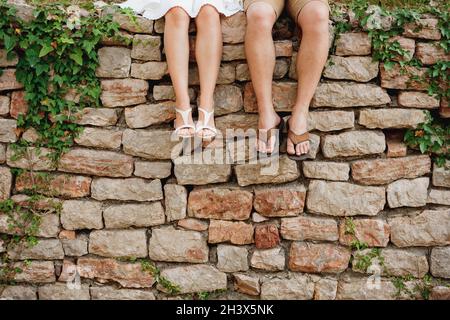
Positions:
(184, 125)
(206, 128)
(298, 124)
(266, 141)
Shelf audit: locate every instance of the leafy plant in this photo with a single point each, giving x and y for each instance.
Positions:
(149, 267)
(431, 137)
(57, 63)
(363, 261)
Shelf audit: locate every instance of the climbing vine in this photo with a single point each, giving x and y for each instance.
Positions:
(382, 25)
(57, 62)
(58, 59)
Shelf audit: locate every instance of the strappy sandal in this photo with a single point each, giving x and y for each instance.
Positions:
(297, 139)
(186, 125)
(202, 125)
(268, 136)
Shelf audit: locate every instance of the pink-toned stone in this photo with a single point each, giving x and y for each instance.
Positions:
(247, 284)
(395, 145)
(397, 78)
(383, 171)
(227, 231)
(233, 28)
(100, 117)
(193, 224)
(309, 228)
(18, 104)
(129, 275)
(8, 80)
(220, 203)
(35, 272)
(55, 185)
(266, 236)
(417, 99)
(99, 163)
(284, 95)
(123, 92)
(431, 53)
(426, 28)
(67, 235)
(353, 44)
(374, 232)
(318, 257)
(280, 201)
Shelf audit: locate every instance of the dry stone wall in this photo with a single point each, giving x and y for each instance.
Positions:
(226, 228)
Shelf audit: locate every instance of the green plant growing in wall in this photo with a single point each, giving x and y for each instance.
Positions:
(149, 267)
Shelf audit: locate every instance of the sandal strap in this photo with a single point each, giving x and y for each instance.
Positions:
(184, 114)
(298, 138)
(201, 125)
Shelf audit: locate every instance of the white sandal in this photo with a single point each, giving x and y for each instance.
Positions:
(201, 126)
(186, 125)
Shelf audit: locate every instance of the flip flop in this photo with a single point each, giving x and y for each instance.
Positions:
(269, 134)
(297, 139)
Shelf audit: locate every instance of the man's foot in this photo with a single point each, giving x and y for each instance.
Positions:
(298, 124)
(184, 125)
(265, 142)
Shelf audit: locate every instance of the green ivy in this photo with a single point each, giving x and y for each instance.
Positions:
(431, 137)
(57, 56)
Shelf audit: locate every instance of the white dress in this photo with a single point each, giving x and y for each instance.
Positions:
(155, 9)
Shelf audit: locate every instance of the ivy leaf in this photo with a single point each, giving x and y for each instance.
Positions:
(9, 42)
(423, 146)
(77, 56)
(45, 50)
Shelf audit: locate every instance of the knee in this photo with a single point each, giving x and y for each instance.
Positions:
(314, 15)
(177, 17)
(261, 17)
(208, 16)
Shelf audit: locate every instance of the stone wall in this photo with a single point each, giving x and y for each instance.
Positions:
(227, 228)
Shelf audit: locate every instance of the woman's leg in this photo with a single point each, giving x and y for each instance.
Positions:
(260, 52)
(312, 56)
(208, 53)
(176, 46)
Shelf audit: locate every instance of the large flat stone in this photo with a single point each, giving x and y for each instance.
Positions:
(126, 189)
(429, 228)
(172, 245)
(344, 199)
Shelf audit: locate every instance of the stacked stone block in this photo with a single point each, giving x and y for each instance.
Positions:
(228, 227)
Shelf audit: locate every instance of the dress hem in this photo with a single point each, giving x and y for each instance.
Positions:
(188, 12)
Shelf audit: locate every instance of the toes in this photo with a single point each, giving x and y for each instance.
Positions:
(272, 144)
(307, 147)
(298, 149)
(290, 147)
(261, 146)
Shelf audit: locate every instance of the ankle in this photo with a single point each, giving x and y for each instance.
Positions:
(300, 110)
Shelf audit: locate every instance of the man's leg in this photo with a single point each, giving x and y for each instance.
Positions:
(260, 52)
(311, 58)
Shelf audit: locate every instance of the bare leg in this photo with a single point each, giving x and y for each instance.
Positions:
(260, 52)
(312, 56)
(176, 46)
(208, 52)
